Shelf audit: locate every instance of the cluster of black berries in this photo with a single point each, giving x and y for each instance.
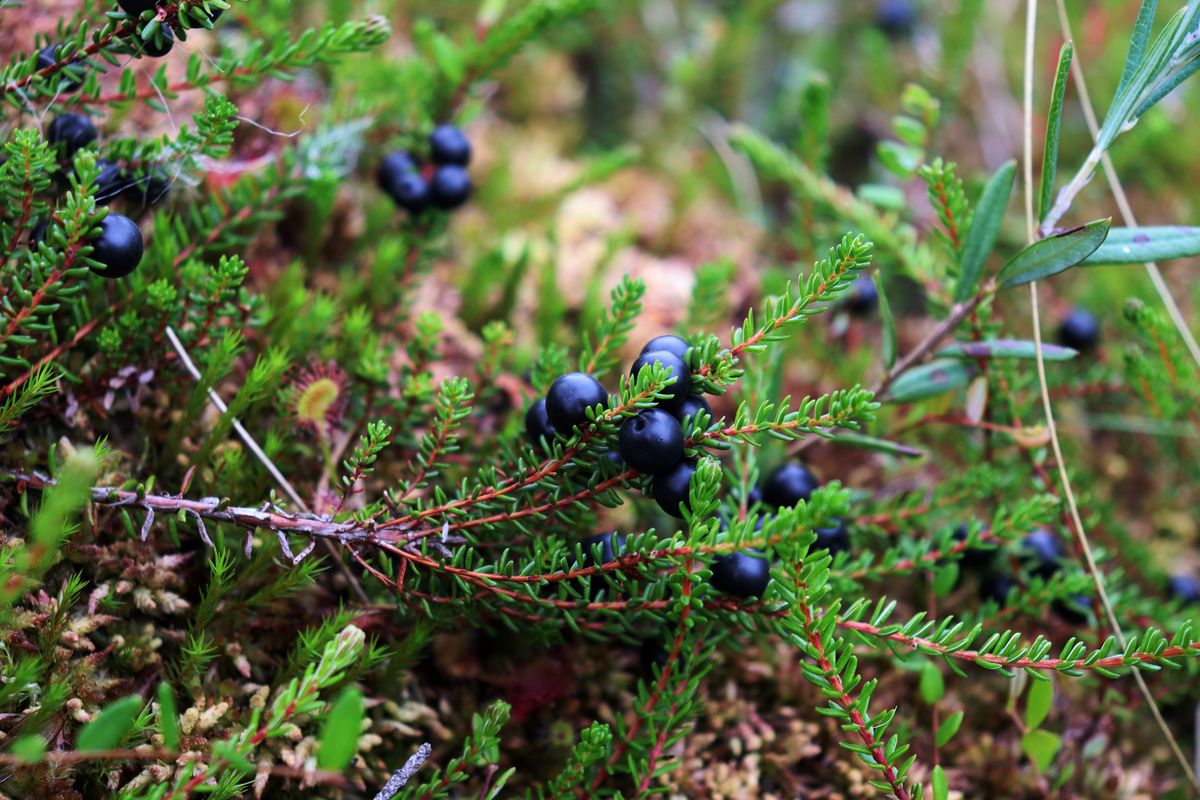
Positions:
(119, 247)
(444, 183)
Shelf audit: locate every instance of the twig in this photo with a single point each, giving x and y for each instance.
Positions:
(403, 775)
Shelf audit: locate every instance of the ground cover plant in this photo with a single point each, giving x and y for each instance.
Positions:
(579, 399)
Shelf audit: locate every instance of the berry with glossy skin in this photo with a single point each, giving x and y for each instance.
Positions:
(110, 183)
(789, 484)
(863, 297)
(972, 557)
(678, 391)
(1073, 610)
(1080, 330)
(835, 539)
(1185, 589)
(996, 586)
(692, 405)
(135, 8)
(612, 545)
(895, 17)
(671, 488)
(160, 44)
(394, 166)
(449, 145)
(537, 423)
(71, 76)
(669, 343)
(149, 188)
(651, 442)
(411, 192)
(570, 397)
(1041, 553)
(73, 131)
(118, 249)
(450, 187)
(744, 574)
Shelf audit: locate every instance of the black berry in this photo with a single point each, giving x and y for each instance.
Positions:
(691, 406)
(895, 17)
(612, 545)
(1080, 330)
(149, 188)
(1073, 610)
(671, 488)
(160, 44)
(789, 484)
(537, 423)
(972, 557)
(651, 442)
(863, 297)
(73, 131)
(669, 343)
(1041, 553)
(835, 539)
(411, 192)
(71, 75)
(118, 249)
(394, 166)
(742, 575)
(1185, 589)
(754, 496)
(450, 187)
(996, 586)
(135, 8)
(110, 183)
(678, 391)
(449, 145)
(37, 234)
(569, 399)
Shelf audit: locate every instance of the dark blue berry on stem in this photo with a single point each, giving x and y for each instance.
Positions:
(895, 17)
(669, 343)
(450, 187)
(678, 391)
(411, 192)
(118, 249)
(996, 586)
(149, 188)
(135, 8)
(71, 75)
(1042, 552)
(570, 397)
(744, 574)
(835, 538)
(1073, 610)
(671, 488)
(1080, 330)
(537, 423)
(612, 546)
(1185, 589)
(789, 484)
(972, 557)
(449, 145)
(863, 297)
(73, 131)
(651, 442)
(110, 183)
(394, 166)
(160, 43)
(691, 406)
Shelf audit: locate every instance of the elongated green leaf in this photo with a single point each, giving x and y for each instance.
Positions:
(985, 228)
(947, 729)
(931, 685)
(1037, 703)
(1041, 747)
(168, 716)
(339, 736)
(929, 380)
(109, 727)
(1139, 245)
(941, 787)
(1137, 43)
(888, 319)
(1053, 128)
(1054, 254)
(1006, 348)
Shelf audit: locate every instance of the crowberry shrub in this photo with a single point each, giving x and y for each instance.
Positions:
(428, 400)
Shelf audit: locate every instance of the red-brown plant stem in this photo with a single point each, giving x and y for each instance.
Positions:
(22, 221)
(81, 334)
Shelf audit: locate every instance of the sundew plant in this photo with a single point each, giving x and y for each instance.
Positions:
(570, 399)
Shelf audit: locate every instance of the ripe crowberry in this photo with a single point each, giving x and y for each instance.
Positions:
(1041, 552)
(449, 145)
(1080, 330)
(450, 187)
(118, 249)
(863, 297)
(411, 192)
(671, 488)
(570, 397)
(835, 539)
(394, 166)
(996, 586)
(149, 188)
(110, 183)
(972, 557)
(612, 546)
(537, 423)
(678, 391)
(692, 405)
(135, 8)
(1073, 610)
(1185, 589)
(160, 43)
(73, 131)
(789, 484)
(895, 17)
(651, 442)
(669, 343)
(744, 574)
(71, 75)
